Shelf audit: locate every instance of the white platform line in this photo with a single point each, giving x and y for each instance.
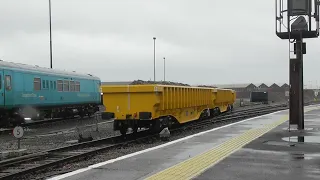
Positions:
(153, 148)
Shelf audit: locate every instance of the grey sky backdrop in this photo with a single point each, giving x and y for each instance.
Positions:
(204, 41)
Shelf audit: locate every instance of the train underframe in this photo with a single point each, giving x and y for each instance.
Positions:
(16, 116)
(155, 125)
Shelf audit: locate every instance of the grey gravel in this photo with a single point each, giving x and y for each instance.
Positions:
(54, 135)
(58, 134)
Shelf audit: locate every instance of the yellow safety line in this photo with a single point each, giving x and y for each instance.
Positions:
(194, 166)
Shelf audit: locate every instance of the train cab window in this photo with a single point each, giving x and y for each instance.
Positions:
(77, 86)
(65, 85)
(72, 86)
(47, 84)
(8, 82)
(36, 84)
(60, 85)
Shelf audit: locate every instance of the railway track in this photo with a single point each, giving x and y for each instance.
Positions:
(47, 121)
(53, 120)
(234, 116)
(20, 166)
(40, 123)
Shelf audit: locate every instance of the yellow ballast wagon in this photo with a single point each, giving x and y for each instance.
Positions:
(159, 106)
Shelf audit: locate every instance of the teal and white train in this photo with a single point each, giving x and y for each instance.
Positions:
(34, 92)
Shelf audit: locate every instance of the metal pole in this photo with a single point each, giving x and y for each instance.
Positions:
(296, 111)
(50, 34)
(18, 143)
(301, 94)
(154, 59)
(164, 69)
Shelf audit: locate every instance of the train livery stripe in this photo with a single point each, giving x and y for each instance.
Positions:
(194, 166)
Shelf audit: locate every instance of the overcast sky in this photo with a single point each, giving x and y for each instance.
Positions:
(204, 41)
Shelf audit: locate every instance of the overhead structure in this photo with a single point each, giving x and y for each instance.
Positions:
(50, 33)
(296, 20)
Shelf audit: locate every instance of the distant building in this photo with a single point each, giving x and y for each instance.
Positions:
(238, 87)
(117, 83)
(262, 87)
(275, 88)
(274, 85)
(285, 86)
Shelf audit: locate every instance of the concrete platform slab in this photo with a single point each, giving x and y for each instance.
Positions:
(279, 154)
(189, 157)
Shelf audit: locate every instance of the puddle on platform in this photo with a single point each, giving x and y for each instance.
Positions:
(295, 129)
(299, 156)
(311, 116)
(309, 139)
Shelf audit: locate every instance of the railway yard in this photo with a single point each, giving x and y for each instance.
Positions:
(52, 150)
(73, 124)
(53, 147)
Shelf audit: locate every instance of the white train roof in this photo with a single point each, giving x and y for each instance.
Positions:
(49, 71)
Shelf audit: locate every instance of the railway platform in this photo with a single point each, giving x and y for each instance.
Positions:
(256, 148)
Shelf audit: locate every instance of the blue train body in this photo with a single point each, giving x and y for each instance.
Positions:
(27, 91)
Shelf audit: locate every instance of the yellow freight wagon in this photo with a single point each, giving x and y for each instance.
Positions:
(159, 106)
(224, 98)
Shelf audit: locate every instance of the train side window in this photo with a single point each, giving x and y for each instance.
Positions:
(77, 86)
(47, 84)
(72, 86)
(65, 85)
(54, 85)
(43, 84)
(51, 85)
(36, 84)
(60, 85)
(8, 82)
(0, 81)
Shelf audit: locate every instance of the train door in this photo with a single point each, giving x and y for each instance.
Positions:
(1, 89)
(7, 88)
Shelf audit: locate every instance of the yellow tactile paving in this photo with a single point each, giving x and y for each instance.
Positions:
(198, 164)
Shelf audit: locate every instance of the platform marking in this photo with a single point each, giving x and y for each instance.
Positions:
(193, 167)
(72, 173)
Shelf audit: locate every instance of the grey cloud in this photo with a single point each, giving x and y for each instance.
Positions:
(205, 41)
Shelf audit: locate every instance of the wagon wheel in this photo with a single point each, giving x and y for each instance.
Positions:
(81, 115)
(135, 129)
(123, 130)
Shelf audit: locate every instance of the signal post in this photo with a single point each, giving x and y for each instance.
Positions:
(297, 20)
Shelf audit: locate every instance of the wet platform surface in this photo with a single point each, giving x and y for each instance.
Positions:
(258, 148)
(279, 154)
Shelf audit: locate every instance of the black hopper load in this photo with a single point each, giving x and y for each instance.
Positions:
(259, 96)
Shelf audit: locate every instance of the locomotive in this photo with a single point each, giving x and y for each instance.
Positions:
(35, 92)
